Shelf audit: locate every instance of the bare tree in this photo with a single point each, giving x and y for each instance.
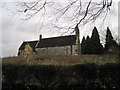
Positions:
(74, 12)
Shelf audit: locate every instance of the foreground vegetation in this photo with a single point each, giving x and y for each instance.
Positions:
(60, 72)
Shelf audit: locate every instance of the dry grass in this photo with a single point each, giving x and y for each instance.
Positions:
(60, 60)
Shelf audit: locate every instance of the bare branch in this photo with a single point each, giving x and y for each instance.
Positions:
(71, 12)
(85, 12)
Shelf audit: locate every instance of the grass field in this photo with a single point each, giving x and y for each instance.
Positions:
(60, 60)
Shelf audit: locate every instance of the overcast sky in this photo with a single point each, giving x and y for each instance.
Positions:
(14, 31)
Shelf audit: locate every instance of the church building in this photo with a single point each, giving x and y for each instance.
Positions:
(62, 45)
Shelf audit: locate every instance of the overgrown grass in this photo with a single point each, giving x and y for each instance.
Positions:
(61, 60)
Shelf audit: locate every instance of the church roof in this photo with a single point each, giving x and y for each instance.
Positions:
(57, 41)
(50, 42)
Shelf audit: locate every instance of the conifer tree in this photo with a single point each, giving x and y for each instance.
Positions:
(83, 45)
(96, 46)
(110, 45)
(87, 46)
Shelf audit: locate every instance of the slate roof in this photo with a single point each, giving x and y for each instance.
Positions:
(57, 41)
(32, 45)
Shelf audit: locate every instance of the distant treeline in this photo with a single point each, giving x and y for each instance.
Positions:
(92, 45)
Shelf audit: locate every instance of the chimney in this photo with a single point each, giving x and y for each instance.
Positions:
(40, 37)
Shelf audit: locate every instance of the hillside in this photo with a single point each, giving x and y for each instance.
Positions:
(38, 72)
(60, 60)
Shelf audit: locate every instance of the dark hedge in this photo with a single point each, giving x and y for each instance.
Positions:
(83, 76)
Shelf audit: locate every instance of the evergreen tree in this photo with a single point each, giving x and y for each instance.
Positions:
(109, 39)
(83, 45)
(110, 45)
(87, 46)
(96, 46)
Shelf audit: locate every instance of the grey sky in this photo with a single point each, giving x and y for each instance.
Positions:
(14, 31)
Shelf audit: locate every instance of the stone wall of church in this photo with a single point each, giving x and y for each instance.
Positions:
(74, 50)
(61, 50)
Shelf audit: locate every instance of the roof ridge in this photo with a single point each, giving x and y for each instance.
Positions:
(59, 36)
(57, 41)
(31, 41)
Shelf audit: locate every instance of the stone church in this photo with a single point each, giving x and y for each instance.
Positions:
(62, 45)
